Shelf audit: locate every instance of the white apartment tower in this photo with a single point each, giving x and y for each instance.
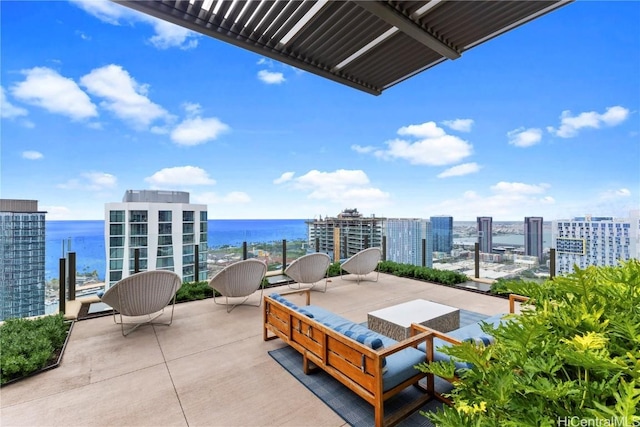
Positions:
(599, 241)
(163, 226)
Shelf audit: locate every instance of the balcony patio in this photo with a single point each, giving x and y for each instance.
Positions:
(208, 368)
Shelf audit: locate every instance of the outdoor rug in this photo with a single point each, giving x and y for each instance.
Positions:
(351, 407)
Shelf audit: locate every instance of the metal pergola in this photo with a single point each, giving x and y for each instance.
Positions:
(369, 45)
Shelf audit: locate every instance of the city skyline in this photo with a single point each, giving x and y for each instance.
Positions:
(99, 99)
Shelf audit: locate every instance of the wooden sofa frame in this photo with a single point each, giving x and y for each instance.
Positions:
(355, 365)
(417, 328)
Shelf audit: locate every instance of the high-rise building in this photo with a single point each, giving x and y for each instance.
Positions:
(343, 236)
(405, 241)
(599, 241)
(442, 229)
(22, 258)
(485, 236)
(533, 237)
(163, 226)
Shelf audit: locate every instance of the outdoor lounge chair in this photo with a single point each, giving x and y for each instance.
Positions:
(363, 263)
(143, 296)
(309, 269)
(239, 280)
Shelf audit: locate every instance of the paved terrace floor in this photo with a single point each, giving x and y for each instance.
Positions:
(209, 368)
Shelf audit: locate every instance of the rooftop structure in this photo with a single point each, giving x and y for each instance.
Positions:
(208, 368)
(367, 45)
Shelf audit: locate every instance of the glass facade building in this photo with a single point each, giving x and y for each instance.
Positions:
(485, 234)
(533, 238)
(405, 239)
(22, 259)
(442, 229)
(163, 227)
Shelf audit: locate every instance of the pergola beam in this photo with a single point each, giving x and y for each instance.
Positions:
(407, 26)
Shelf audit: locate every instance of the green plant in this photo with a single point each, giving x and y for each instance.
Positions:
(574, 354)
(444, 277)
(30, 344)
(194, 291)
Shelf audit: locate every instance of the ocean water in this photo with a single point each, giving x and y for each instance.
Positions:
(86, 239)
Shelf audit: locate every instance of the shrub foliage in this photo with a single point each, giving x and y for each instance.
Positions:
(572, 354)
(422, 273)
(29, 345)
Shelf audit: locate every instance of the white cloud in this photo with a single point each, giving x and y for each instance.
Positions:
(519, 188)
(232, 198)
(265, 61)
(192, 109)
(570, 125)
(93, 181)
(461, 125)
(270, 77)
(460, 170)
(123, 96)
(8, 110)
(32, 155)
(522, 137)
(506, 200)
(344, 187)
(285, 177)
(434, 148)
(167, 35)
(363, 150)
(615, 194)
(57, 213)
(424, 130)
(197, 130)
(180, 176)
(45, 88)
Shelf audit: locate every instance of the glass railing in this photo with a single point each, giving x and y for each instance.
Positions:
(86, 240)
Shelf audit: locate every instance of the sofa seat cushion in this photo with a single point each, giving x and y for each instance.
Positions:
(291, 305)
(399, 366)
(472, 333)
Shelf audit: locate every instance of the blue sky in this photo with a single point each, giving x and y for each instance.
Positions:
(98, 99)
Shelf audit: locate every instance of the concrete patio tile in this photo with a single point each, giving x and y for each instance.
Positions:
(142, 398)
(240, 385)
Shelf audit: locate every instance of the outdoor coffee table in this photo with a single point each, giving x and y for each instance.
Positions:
(395, 321)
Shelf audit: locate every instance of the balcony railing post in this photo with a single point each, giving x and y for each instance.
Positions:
(136, 260)
(345, 253)
(244, 250)
(72, 276)
(284, 254)
(476, 260)
(196, 270)
(384, 248)
(62, 282)
(552, 263)
(366, 242)
(317, 244)
(424, 252)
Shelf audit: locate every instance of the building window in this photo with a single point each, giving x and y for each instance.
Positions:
(116, 229)
(164, 228)
(164, 216)
(164, 240)
(138, 229)
(116, 216)
(138, 216)
(187, 216)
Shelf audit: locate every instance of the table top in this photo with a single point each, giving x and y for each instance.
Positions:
(416, 311)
